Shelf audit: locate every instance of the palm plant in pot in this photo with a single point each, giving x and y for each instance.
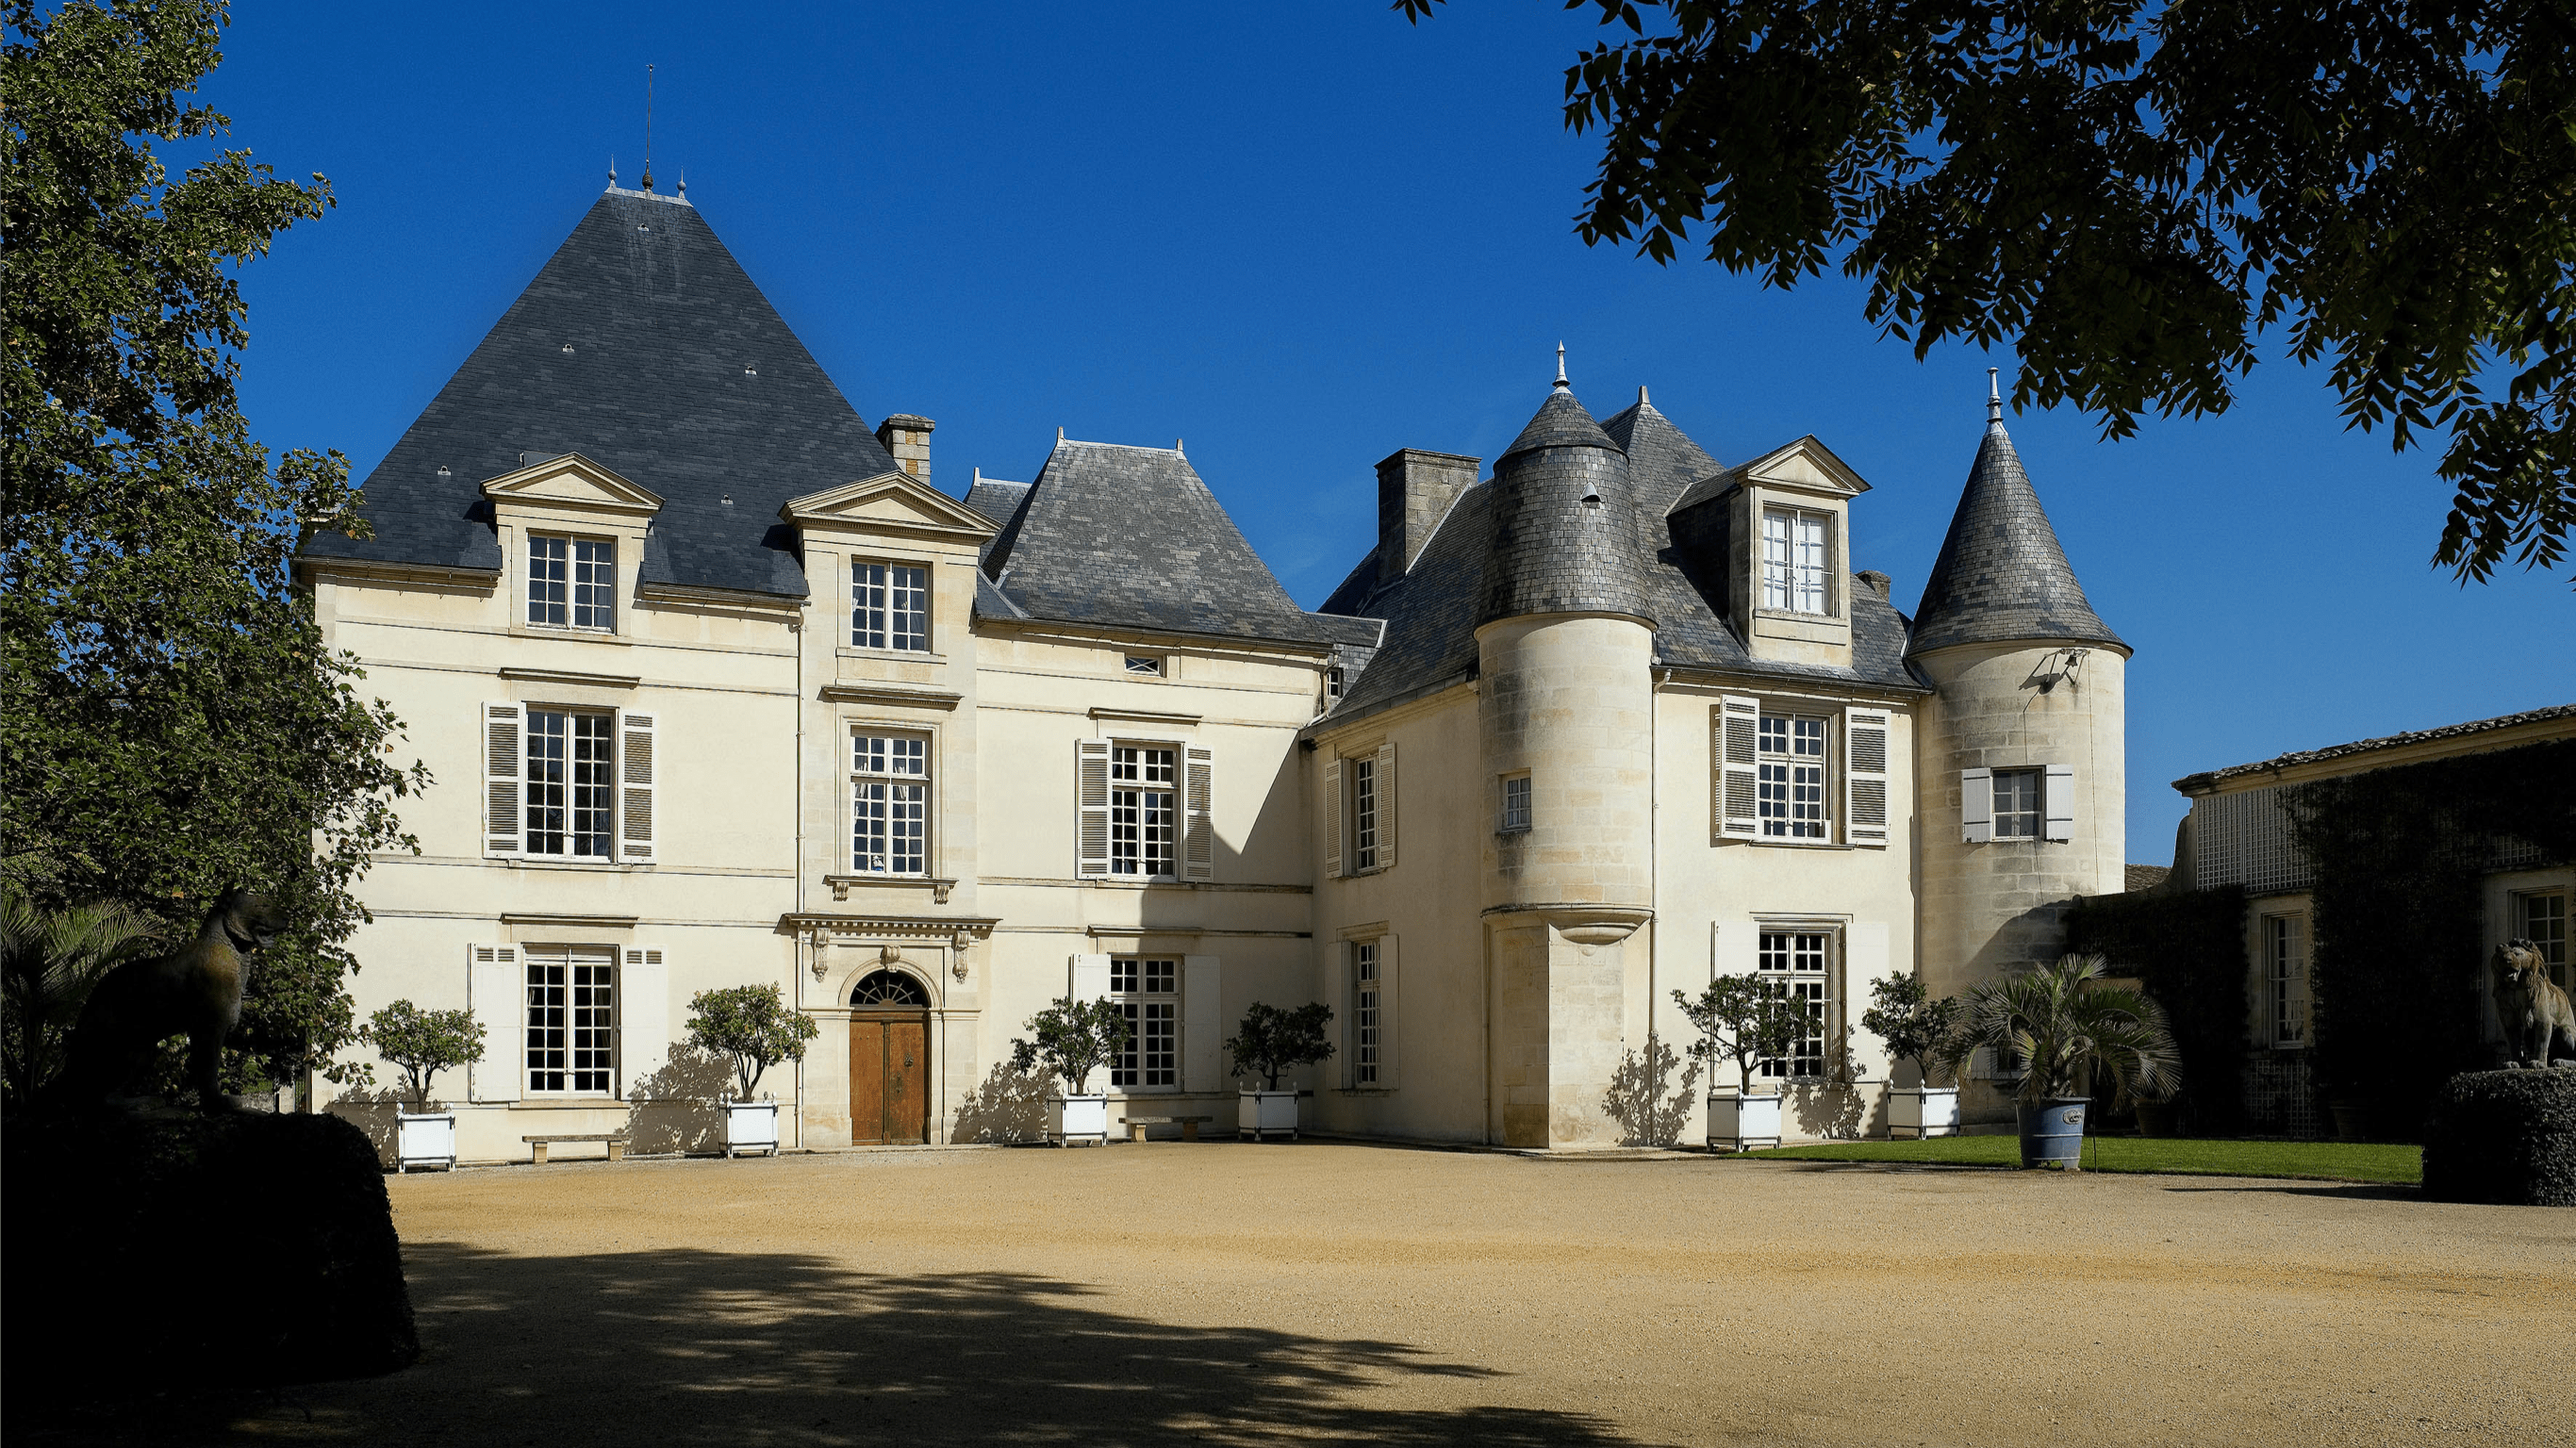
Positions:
(423, 1043)
(1268, 1042)
(1742, 1019)
(755, 1026)
(2064, 1026)
(1069, 1040)
(1913, 1025)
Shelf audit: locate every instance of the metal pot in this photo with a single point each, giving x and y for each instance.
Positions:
(2052, 1132)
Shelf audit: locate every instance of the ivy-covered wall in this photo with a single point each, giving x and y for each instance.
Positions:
(2187, 949)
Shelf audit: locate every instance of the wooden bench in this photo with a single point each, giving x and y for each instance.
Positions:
(1189, 1125)
(537, 1145)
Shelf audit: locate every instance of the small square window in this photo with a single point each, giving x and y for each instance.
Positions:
(1516, 803)
(1146, 665)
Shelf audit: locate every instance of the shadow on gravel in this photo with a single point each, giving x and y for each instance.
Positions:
(696, 1347)
(2355, 1191)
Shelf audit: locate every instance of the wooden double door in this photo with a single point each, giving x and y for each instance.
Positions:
(889, 1077)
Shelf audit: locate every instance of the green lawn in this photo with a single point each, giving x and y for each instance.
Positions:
(2311, 1160)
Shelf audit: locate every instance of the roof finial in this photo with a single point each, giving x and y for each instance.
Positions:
(1994, 397)
(612, 170)
(684, 185)
(648, 128)
(1641, 396)
(1560, 367)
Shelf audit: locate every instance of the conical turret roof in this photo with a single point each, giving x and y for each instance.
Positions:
(2002, 576)
(1560, 422)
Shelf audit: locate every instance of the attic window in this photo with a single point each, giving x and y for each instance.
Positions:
(1794, 570)
(1145, 665)
(1333, 684)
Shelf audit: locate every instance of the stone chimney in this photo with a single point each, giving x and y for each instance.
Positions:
(1414, 491)
(908, 438)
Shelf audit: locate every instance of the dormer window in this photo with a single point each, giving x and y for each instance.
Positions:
(889, 606)
(1794, 568)
(572, 582)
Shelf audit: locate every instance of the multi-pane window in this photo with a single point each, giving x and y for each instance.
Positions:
(2285, 952)
(2541, 918)
(1364, 1013)
(1793, 559)
(1147, 992)
(2017, 801)
(889, 804)
(1363, 814)
(1797, 964)
(572, 582)
(1791, 777)
(1333, 685)
(889, 606)
(571, 783)
(1516, 802)
(1141, 803)
(572, 1024)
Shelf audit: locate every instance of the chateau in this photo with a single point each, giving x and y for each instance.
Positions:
(719, 688)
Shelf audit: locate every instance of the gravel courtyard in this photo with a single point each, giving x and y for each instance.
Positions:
(1231, 1293)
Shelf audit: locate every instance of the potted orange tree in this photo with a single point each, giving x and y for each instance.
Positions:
(755, 1026)
(1742, 1019)
(1069, 1040)
(423, 1043)
(1267, 1043)
(1913, 1025)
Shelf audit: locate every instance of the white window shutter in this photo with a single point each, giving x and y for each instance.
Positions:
(1091, 806)
(504, 724)
(1198, 860)
(2057, 803)
(1330, 807)
(1342, 959)
(1865, 960)
(1386, 806)
(635, 787)
(1090, 977)
(1865, 797)
(1202, 1025)
(1732, 745)
(496, 991)
(643, 1018)
(1976, 806)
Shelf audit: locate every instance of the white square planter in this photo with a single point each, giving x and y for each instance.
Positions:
(1737, 1121)
(750, 1126)
(1084, 1117)
(1924, 1111)
(425, 1140)
(1264, 1114)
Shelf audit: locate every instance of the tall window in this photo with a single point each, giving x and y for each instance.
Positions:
(1363, 814)
(1516, 803)
(889, 606)
(2541, 918)
(571, 785)
(572, 1024)
(1147, 992)
(2017, 804)
(1364, 1013)
(1793, 559)
(889, 804)
(1141, 802)
(1791, 774)
(2285, 950)
(1797, 964)
(572, 582)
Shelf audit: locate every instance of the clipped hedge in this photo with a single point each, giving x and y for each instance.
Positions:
(2504, 1137)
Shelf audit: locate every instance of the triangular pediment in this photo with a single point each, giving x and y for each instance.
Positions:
(889, 502)
(570, 480)
(1805, 465)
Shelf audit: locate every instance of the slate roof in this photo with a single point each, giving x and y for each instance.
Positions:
(1118, 536)
(2193, 783)
(1560, 422)
(996, 499)
(2002, 576)
(1662, 460)
(642, 345)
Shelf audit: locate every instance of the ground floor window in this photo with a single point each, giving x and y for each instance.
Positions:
(2285, 952)
(572, 1024)
(1798, 964)
(1146, 990)
(1364, 1014)
(2540, 916)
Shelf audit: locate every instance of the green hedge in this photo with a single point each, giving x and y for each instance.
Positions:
(2507, 1137)
(2188, 950)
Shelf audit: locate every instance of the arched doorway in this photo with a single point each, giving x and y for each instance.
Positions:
(889, 1059)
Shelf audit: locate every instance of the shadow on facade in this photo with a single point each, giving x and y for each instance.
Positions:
(1651, 1107)
(696, 1347)
(674, 1108)
(1010, 1106)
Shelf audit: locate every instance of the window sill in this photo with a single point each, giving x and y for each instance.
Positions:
(907, 656)
(595, 867)
(567, 1103)
(1136, 882)
(1792, 844)
(842, 885)
(1798, 615)
(579, 635)
(1364, 1091)
(1513, 830)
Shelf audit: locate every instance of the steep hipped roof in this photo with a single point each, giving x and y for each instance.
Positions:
(2001, 576)
(1662, 460)
(642, 345)
(1131, 537)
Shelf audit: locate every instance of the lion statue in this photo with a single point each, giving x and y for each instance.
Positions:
(2535, 1012)
(195, 990)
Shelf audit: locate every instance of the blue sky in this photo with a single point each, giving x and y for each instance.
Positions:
(1300, 237)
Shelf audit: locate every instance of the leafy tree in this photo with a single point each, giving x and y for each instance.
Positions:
(423, 1043)
(1903, 1014)
(1270, 1040)
(170, 724)
(49, 959)
(1742, 1018)
(754, 1025)
(2130, 193)
(1073, 1038)
(2060, 1024)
